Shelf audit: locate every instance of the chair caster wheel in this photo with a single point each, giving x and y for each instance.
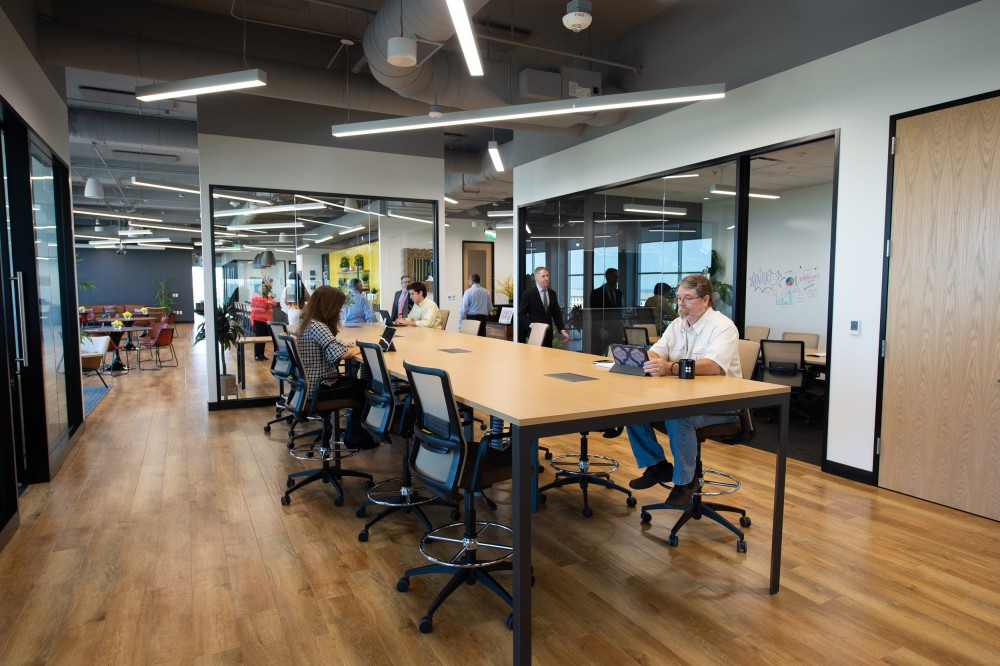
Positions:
(741, 546)
(267, 428)
(285, 500)
(745, 521)
(363, 536)
(645, 517)
(403, 584)
(455, 514)
(542, 499)
(509, 620)
(426, 625)
(587, 512)
(361, 513)
(368, 484)
(491, 504)
(289, 482)
(672, 540)
(548, 455)
(339, 501)
(630, 502)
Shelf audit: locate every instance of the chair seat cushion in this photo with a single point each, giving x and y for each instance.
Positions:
(719, 430)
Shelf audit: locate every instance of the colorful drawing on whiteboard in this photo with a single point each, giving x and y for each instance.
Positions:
(789, 287)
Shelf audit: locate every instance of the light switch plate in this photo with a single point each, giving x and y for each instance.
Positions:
(855, 327)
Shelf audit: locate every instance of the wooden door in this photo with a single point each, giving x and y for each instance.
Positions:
(941, 396)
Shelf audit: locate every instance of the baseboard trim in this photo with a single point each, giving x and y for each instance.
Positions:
(848, 472)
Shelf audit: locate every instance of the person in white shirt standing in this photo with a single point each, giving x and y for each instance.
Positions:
(709, 337)
(476, 302)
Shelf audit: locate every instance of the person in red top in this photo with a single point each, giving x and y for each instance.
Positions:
(261, 306)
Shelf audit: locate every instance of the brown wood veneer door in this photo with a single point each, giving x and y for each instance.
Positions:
(941, 394)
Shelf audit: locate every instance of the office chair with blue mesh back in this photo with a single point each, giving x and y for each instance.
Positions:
(453, 469)
(388, 412)
(282, 368)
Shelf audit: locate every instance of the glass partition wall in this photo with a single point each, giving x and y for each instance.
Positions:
(289, 243)
(616, 255)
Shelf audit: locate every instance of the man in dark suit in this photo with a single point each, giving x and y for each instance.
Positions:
(401, 302)
(606, 313)
(541, 305)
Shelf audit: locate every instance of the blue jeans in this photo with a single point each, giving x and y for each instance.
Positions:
(683, 443)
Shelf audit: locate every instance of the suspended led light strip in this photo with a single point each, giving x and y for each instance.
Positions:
(494, 150)
(536, 110)
(180, 188)
(329, 224)
(506, 226)
(322, 240)
(341, 206)
(287, 208)
(500, 213)
(202, 85)
(556, 237)
(169, 246)
(254, 247)
(466, 38)
(269, 225)
(450, 200)
(406, 217)
(351, 231)
(124, 241)
(681, 175)
(731, 191)
(135, 232)
(117, 216)
(107, 238)
(165, 227)
(672, 231)
(654, 210)
(301, 247)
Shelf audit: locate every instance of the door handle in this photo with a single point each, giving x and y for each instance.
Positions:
(23, 346)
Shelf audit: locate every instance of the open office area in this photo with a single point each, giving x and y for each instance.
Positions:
(837, 188)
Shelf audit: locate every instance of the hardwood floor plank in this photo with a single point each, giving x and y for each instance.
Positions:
(247, 570)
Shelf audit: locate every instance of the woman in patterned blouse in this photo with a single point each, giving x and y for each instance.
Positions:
(321, 353)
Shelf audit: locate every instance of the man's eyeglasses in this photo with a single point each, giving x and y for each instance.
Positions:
(688, 299)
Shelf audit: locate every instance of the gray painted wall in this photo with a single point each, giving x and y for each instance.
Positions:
(129, 278)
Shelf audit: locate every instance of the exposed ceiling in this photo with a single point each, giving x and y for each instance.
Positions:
(328, 54)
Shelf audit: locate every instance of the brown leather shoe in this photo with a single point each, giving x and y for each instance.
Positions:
(661, 472)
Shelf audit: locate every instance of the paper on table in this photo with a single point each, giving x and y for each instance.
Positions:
(604, 364)
(818, 354)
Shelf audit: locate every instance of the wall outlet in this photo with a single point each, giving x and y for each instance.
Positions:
(179, 312)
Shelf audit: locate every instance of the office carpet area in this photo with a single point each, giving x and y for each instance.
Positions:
(91, 396)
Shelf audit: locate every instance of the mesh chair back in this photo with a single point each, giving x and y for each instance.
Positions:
(281, 365)
(636, 335)
(783, 362)
(470, 326)
(384, 413)
(296, 402)
(439, 455)
(756, 333)
(537, 334)
(810, 340)
(749, 351)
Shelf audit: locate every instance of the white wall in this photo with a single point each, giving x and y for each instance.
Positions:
(250, 163)
(503, 253)
(26, 88)
(950, 57)
(790, 238)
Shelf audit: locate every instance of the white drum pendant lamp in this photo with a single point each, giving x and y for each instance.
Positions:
(402, 52)
(93, 189)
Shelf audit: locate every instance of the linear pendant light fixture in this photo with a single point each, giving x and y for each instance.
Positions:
(140, 182)
(654, 210)
(731, 191)
(250, 78)
(494, 150)
(536, 110)
(287, 208)
(118, 216)
(466, 38)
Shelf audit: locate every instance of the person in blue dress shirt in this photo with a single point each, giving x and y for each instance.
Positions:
(360, 310)
(476, 303)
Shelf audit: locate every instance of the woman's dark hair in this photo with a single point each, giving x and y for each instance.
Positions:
(419, 287)
(324, 306)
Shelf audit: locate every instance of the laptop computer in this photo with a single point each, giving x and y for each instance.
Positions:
(629, 359)
(385, 317)
(385, 342)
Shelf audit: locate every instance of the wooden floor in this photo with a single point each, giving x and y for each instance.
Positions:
(162, 540)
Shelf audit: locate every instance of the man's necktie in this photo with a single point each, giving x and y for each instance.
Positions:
(545, 298)
(402, 303)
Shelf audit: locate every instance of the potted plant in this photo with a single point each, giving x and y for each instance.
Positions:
(359, 261)
(162, 297)
(364, 279)
(228, 331)
(345, 263)
(723, 291)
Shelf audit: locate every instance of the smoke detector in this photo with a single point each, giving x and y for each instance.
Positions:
(578, 16)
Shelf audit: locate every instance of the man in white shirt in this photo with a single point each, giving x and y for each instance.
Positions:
(709, 337)
(475, 302)
(424, 312)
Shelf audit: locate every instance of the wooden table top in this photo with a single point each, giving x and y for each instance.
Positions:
(510, 380)
(815, 356)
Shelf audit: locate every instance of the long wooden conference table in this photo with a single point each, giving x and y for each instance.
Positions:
(544, 392)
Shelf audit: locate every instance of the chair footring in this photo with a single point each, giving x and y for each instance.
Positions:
(575, 463)
(397, 493)
(323, 452)
(486, 545)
